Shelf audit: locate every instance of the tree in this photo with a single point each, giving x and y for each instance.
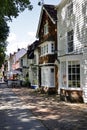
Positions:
(12, 8)
(4, 30)
(8, 10)
(2, 53)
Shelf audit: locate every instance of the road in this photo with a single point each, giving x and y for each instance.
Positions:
(14, 115)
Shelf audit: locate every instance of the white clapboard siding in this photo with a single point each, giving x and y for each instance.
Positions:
(78, 22)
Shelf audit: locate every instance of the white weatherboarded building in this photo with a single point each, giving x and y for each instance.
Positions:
(72, 49)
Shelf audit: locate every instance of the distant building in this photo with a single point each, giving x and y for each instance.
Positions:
(14, 63)
(33, 60)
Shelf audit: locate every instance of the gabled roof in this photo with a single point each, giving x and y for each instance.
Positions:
(21, 52)
(51, 12)
(31, 48)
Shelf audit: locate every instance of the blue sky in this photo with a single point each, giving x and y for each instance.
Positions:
(23, 28)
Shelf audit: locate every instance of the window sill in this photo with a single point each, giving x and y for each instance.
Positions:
(47, 86)
(77, 89)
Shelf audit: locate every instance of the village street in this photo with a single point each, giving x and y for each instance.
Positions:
(25, 109)
(14, 115)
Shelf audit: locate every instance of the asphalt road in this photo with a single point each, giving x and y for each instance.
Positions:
(14, 115)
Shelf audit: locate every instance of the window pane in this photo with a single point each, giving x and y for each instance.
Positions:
(69, 77)
(52, 47)
(73, 77)
(69, 69)
(70, 83)
(78, 77)
(73, 70)
(78, 70)
(70, 41)
(78, 84)
(52, 70)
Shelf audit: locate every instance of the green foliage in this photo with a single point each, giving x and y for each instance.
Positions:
(4, 30)
(8, 10)
(2, 54)
(27, 82)
(12, 8)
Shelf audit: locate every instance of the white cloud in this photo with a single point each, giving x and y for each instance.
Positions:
(11, 48)
(15, 43)
(22, 44)
(12, 37)
(31, 37)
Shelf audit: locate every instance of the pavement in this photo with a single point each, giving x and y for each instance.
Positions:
(27, 109)
(14, 115)
(53, 113)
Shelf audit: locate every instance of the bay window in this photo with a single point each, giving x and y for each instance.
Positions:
(70, 74)
(74, 74)
(47, 48)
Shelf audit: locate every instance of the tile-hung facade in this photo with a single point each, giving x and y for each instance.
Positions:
(47, 34)
(72, 49)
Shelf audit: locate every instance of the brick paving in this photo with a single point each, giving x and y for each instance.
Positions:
(53, 113)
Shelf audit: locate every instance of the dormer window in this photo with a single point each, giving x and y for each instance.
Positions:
(46, 28)
(70, 10)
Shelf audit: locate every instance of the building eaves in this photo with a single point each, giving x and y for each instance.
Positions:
(60, 3)
(51, 11)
